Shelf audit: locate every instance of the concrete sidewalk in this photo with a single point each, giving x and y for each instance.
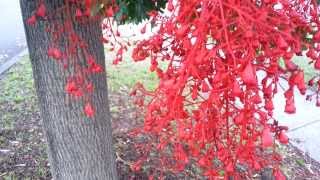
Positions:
(304, 125)
(12, 39)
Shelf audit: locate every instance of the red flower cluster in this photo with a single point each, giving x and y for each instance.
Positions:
(214, 102)
(40, 13)
(78, 83)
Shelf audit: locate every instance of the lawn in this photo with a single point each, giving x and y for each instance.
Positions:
(308, 69)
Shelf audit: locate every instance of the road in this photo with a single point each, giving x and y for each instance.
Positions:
(12, 38)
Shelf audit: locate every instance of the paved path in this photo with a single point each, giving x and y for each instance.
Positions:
(8, 63)
(12, 39)
(304, 126)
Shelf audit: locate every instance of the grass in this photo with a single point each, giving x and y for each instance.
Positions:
(303, 63)
(17, 88)
(128, 73)
(17, 85)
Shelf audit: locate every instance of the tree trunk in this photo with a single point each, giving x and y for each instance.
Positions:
(79, 148)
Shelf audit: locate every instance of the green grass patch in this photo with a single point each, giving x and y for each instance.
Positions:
(17, 95)
(17, 84)
(127, 74)
(17, 87)
(303, 63)
(300, 162)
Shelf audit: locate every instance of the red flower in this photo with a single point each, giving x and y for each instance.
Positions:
(71, 87)
(205, 86)
(282, 43)
(290, 107)
(41, 12)
(194, 92)
(143, 29)
(89, 111)
(266, 137)
(236, 89)
(32, 20)
(55, 53)
(170, 5)
(317, 64)
(278, 175)
(109, 12)
(283, 138)
(78, 13)
(139, 54)
(249, 75)
(269, 105)
(88, 3)
(96, 68)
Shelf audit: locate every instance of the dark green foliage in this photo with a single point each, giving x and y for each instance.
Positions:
(136, 10)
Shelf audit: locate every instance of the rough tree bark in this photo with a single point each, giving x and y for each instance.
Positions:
(78, 149)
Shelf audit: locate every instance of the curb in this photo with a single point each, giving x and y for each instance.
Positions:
(8, 64)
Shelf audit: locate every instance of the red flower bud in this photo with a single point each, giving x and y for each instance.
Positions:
(278, 175)
(290, 107)
(283, 138)
(249, 75)
(109, 12)
(317, 64)
(236, 89)
(32, 20)
(89, 111)
(143, 29)
(170, 5)
(269, 105)
(41, 12)
(78, 13)
(266, 137)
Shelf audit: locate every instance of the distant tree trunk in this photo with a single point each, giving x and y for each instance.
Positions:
(78, 148)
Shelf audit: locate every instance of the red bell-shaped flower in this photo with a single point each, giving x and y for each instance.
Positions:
(41, 11)
(266, 137)
(317, 64)
(278, 175)
(236, 89)
(283, 138)
(249, 75)
(89, 111)
(290, 107)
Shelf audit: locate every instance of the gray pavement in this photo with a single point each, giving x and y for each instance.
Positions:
(304, 125)
(12, 38)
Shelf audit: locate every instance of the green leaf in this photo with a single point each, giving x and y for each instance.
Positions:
(137, 10)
